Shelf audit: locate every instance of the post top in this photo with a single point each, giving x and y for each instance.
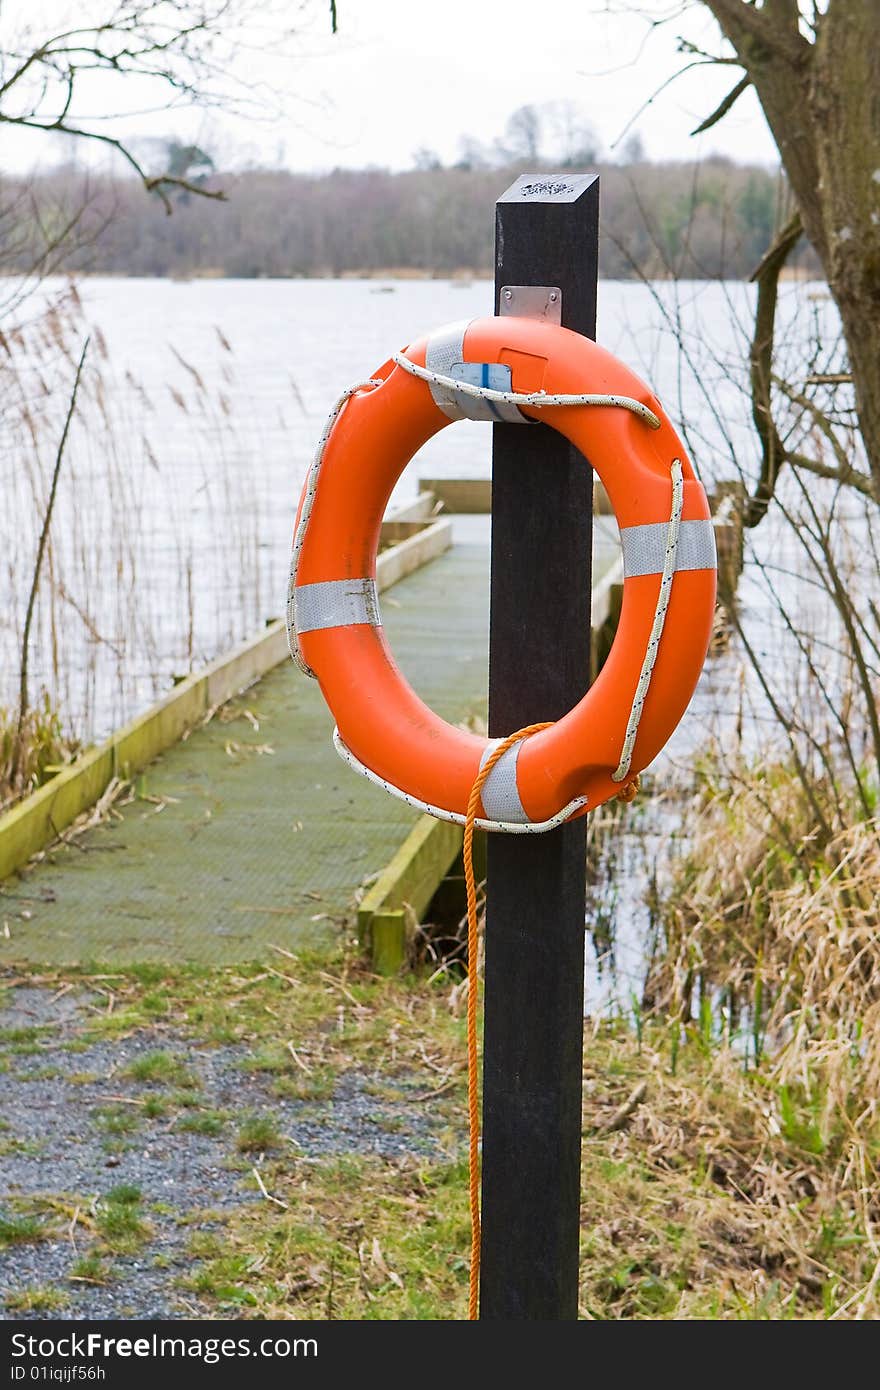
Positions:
(548, 188)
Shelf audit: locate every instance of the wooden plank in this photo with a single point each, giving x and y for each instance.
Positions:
(393, 532)
(602, 597)
(388, 941)
(423, 507)
(470, 495)
(139, 742)
(30, 825)
(602, 634)
(412, 877)
(234, 672)
(539, 666)
(601, 501)
(411, 554)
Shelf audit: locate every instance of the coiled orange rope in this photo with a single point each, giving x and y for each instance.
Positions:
(626, 794)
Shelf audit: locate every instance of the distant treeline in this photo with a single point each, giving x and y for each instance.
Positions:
(692, 220)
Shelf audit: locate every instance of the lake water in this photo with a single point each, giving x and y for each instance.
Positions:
(172, 527)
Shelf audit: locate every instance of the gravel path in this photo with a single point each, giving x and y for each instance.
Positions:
(56, 1141)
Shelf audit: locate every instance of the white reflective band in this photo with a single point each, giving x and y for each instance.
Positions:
(644, 547)
(532, 827)
(444, 355)
(308, 502)
(336, 603)
(500, 794)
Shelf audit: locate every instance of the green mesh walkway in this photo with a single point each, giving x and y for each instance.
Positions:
(242, 847)
(243, 836)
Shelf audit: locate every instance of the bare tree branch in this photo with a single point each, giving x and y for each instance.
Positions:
(848, 476)
(723, 107)
(649, 101)
(844, 472)
(153, 183)
(761, 368)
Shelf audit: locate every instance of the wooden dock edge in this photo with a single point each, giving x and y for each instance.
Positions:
(404, 889)
(33, 823)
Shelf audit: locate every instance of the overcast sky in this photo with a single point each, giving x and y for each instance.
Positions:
(405, 75)
(409, 73)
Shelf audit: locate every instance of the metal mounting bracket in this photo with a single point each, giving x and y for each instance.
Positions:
(541, 302)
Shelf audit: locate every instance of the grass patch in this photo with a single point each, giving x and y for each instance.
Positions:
(24, 1148)
(19, 1230)
(373, 1240)
(161, 1068)
(226, 1281)
(184, 1100)
(106, 1027)
(120, 1222)
(22, 1042)
(691, 1210)
(117, 1120)
(45, 1299)
(148, 974)
(157, 1005)
(209, 1122)
(125, 1194)
(20, 1035)
(91, 1269)
(256, 1133)
(205, 1245)
(270, 1058)
(319, 1085)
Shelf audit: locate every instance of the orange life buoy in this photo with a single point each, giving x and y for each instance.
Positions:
(383, 728)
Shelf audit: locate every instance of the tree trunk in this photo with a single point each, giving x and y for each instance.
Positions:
(822, 103)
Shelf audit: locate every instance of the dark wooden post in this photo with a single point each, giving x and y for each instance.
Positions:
(539, 666)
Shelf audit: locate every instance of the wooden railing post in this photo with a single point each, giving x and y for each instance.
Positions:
(539, 666)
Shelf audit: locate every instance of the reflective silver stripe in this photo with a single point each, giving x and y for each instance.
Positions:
(445, 348)
(645, 546)
(500, 794)
(445, 356)
(336, 603)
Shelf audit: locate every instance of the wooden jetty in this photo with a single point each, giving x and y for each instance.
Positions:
(240, 828)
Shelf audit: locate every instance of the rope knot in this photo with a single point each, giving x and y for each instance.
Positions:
(630, 791)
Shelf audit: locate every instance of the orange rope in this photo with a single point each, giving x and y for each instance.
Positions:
(626, 794)
(473, 808)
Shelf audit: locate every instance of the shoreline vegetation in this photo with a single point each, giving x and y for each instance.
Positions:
(711, 1189)
(465, 275)
(700, 220)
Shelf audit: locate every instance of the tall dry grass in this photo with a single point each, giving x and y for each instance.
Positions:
(764, 898)
(774, 920)
(771, 965)
(153, 563)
